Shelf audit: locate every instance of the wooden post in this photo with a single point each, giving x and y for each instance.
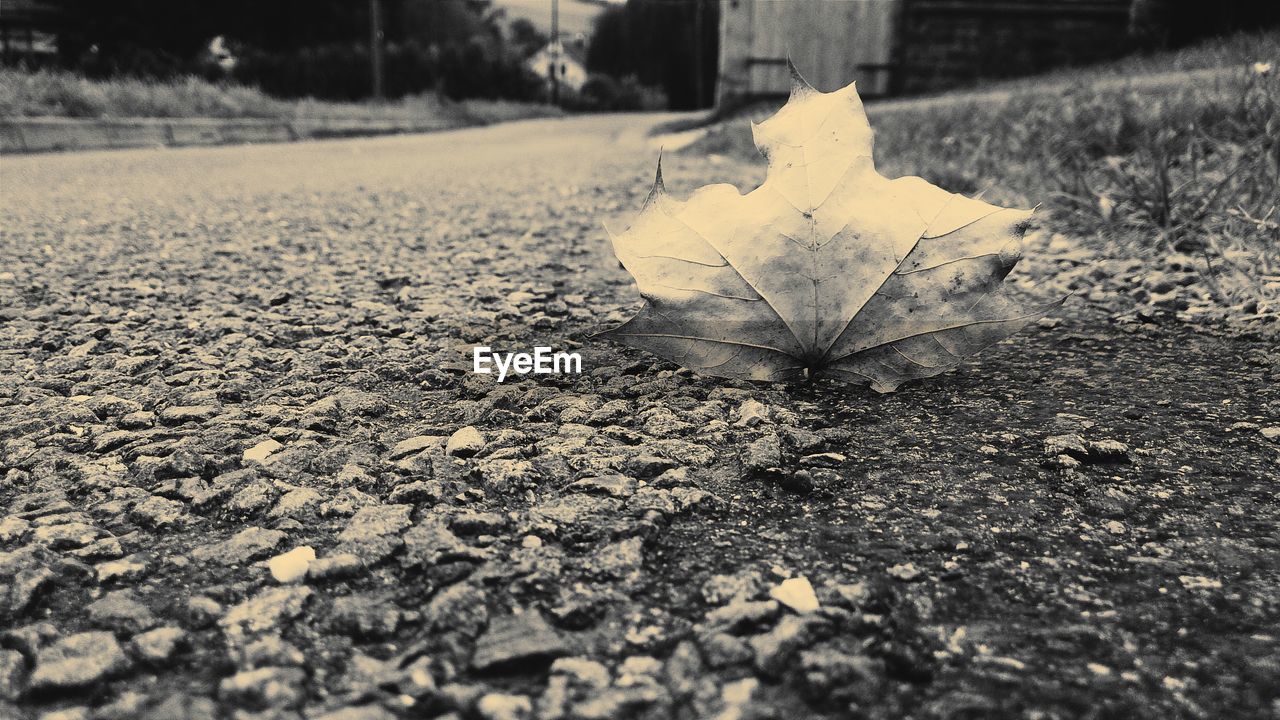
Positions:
(697, 54)
(555, 52)
(375, 47)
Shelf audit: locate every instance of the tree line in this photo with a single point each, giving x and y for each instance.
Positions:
(641, 53)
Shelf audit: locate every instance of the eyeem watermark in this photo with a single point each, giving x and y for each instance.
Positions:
(543, 361)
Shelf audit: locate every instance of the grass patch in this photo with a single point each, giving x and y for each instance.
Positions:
(1236, 50)
(1145, 173)
(56, 93)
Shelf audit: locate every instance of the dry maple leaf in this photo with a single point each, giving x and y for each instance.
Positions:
(826, 268)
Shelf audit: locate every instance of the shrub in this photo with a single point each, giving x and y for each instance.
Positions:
(477, 68)
(605, 93)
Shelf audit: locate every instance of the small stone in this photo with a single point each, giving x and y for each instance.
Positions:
(797, 594)
(270, 650)
(741, 614)
(676, 477)
(827, 671)
(431, 542)
(66, 536)
(415, 444)
(478, 523)
(1199, 582)
(202, 611)
(121, 611)
(523, 639)
(373, 533)
(722, 589)
(159, 645)
(127, 705)
(346, 502)
(109, 406)
(1066, 462)
(29, 639)
(466, 442)
(905, 572)
(252, 498)
(361, 712)
(418, 491)
(268, 686)
(138, 420)
(265, 612)
(763, 454)
(335, 567)
(622, 559)
(851, 596)
(78, 660)
(1271, 432)
(459, 608)
(248, 544)
(158, 513)
(647, 466)
(107, 548)
(751, 413)
(827, 460)
(292, 566)
(183, 414)
(584, 672)
(1073, 445)
(799, 482)
(375, 521)
(774, 649)
(13, 528)
(1107, 449)
(364, 616)
(263, 450)
(296, 503)
(28, 586)
(182, 463)
(638, 668)
(1115, 527)
(184, 706)
(501, 706)
(13, 674)
(619, 486)
(737, 698)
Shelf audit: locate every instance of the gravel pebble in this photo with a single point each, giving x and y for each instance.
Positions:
(77, 661)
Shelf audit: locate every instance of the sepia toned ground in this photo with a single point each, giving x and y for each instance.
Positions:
(210, 358)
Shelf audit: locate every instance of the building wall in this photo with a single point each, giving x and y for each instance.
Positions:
(948, 43)
(831, 42)
(897, 46)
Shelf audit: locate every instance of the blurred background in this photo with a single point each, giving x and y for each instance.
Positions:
(579, 55)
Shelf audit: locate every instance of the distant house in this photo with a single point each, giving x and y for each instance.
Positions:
(904, 46)
(567, 60)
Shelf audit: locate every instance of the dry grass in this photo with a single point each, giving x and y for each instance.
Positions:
(54, 93)
(1194, 170)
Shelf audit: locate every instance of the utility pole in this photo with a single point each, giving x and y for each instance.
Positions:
(555, 52)
(375, 47)
(697, 53)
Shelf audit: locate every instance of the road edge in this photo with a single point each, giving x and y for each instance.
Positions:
(30, 135)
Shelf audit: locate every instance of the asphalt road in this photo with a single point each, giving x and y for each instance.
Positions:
(212, 357)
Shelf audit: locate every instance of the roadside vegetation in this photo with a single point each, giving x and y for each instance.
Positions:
(60, 93)
(1192, 171)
